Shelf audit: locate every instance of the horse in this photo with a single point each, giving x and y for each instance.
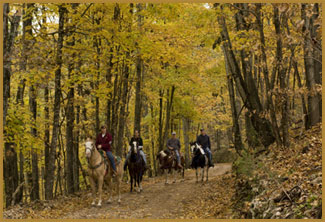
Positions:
(199, 160)
(136, 167)
(100, 170)
(168, 162)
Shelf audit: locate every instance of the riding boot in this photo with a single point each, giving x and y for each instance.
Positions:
(211, 164)
(180, 166)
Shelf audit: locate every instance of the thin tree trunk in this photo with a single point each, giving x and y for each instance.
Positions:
(10, 173)
(236, 131)
(122, 116)
(282, 75)
(139, 73)
(56, 109)
(168, 112)
(161, 94)
(186, 127)
(311, 76)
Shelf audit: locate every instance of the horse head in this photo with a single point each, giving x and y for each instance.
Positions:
(134, 148)
(195, 148)
(89, 147)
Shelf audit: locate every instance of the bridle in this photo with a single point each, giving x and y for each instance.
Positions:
(135, 147)
(195, 149)
(91, 152)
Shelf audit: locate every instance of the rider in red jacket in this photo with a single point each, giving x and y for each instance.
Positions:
(104, 141)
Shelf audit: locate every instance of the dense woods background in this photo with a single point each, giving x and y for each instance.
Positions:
(248, 73)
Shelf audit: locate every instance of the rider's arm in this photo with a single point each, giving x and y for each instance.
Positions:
(106, 143)
(140, 142)
(209, 144)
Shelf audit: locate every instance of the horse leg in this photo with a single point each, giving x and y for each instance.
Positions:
(100, 189)
(207, 174)
(182, 174)
(202, 171)
(110, 188)
(138, 181)
(118, 183)
(93, 189)
(166, 174)
(131, 183)
(197, 175)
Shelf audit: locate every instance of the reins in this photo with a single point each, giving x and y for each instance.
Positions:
(98, 165)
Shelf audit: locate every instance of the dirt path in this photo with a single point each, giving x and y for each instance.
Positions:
(157, 200)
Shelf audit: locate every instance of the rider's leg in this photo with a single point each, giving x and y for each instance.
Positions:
(126, 159)
(111, 158)
(178, 158)
(209, 155)
(143, 156)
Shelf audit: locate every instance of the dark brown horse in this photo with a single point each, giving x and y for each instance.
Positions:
(136, 167)
(168, 164)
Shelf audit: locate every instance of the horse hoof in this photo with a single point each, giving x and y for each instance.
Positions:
(99, 205)
(93, 203)
(119, 201)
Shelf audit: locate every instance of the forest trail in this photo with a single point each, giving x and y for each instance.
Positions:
(157, 200)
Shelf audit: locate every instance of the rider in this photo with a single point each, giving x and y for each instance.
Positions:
(138, 139)
(204, 141)
(104, 141)
(174, 144)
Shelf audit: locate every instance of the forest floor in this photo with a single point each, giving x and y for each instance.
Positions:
(186, 199)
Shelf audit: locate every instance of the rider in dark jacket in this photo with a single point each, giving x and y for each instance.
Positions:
(174, 144)
(138, 139)
(204, 140)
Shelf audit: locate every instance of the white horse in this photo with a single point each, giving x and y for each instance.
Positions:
(101, 172)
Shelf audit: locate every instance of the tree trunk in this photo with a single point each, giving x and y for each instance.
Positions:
(280, 67)
(49, 180)
(161, 94)
(186, 127)
(122, 117)
(10, 173)
(9, 35)
(311, 75)
(236, 131)
(139, 73)
(70, 116)
(168, 112)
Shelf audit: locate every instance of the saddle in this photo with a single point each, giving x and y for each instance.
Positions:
(117, 159)
(172, 153)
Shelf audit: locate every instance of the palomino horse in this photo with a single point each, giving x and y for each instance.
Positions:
(168, 162)
(199, 160)
(135, 165)
(100, 171)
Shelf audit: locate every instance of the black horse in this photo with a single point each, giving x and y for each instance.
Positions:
(136, 167)
(199, 160)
